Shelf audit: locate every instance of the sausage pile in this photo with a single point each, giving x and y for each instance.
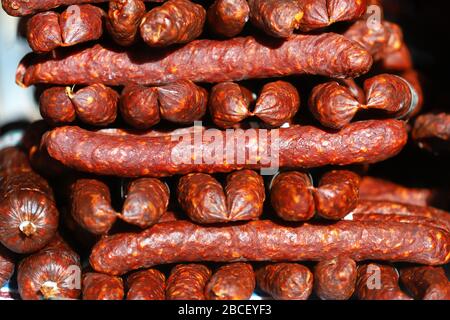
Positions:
(216, 151)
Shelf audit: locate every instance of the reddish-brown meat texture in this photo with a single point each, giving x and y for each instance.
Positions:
(426, 282)
(278, 18)
(28, 213)
(97, 286)
(146, 285)
(139, 106)
(55, 106)
(124, 17)
(377, 189)
(204, 199)
(91, 205)
(182, 101)
(291, 196)
(278, 103)
(378, 282)
(380, 39)
(53, 273)
(146, 202)
(285, 281)
(227, 18)
(229, 104)
(432, 130)
(334, 105)
(187, 282)
(326, 54)
(234, 281)
(113, 153)
(397, 61)
(183, 241)
(44, 32)
(322, 13)
(176, 21)
(394, 208)
(335, 279)
(81, 23)
(95, 105)
(7, 265)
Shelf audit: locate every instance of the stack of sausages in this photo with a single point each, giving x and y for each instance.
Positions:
(174, 134)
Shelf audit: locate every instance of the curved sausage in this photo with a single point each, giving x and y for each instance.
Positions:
(234, 281)
(56, 107)
(124, 17)
(44, 32)
(148, 284)
(426, 282)
(139, 106)
(432, 131)
(227, 18)
(97, 286)
(187, 282)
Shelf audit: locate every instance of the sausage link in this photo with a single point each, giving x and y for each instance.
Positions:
(335, 279)
(124, 17)
(148, 284)
(139, 106)
(432, 131)
(182, 101)
(227, 18)
(176, 21)
(228, 104)
(398, 61)
(337, 194)
(426, 282)
(291, 196)
(378, 282)
(13, 159)
(28, 213)
(95, 105)
(146, 202)
(7, 265)
(413, 78)
(298, 147)
(55, 106)
(44, 32)
(187, 282)
(234, 281)
(97, 286)
(326, 54)
(91, 205)
(278, 103)
(262, 240)
(285, 281)
(278, 18)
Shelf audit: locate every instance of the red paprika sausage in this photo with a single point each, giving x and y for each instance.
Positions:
(148, 284)
(227, 18)
(56, 107)
(187, 282)
(234, 281)
(426, 282)
(124, 17)
(97, 286)
(7, 265)
(139, 106)
(432, 131)
(44, 32)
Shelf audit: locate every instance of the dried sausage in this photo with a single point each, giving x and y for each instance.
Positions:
(378, 282)
(187, 282)
(432, 131)
(44, 32)
(139, 106)
(263, 240)
(227, 18)
(176, 21)
(426, 282)
(56, 107)
(97, 286)
(7, 265)
(296, 147)
(201, 61)
(335, 279)
(146, 202)
(124, 17)
(148, 284)
(285, 281)
(234, 281)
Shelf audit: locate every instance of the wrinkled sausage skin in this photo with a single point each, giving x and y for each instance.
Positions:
(139, 106)
(124, 17)
(187, 282)
(97, 286)
(234, 281)
(44, 32)
(147, 284)
(227, 18)
(426, 282)
(56, 107)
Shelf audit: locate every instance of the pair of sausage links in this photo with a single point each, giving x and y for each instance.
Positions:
(203, 198)
(426, 282)
(334, 105)
(298, 147)
(28, 213)
(227, 18)
(187, 282)
(294, 198)
(277, 104)
(147, 284)
(183, 241)
(7, 265)
(180, 102)
(47, 31)
(378, 282)
(213, 61)
(285, 281)
(176, 21)
(430, 131)
(124, 18)
(98, 286)
(335, 279)
(95, 105)
(234, 281)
